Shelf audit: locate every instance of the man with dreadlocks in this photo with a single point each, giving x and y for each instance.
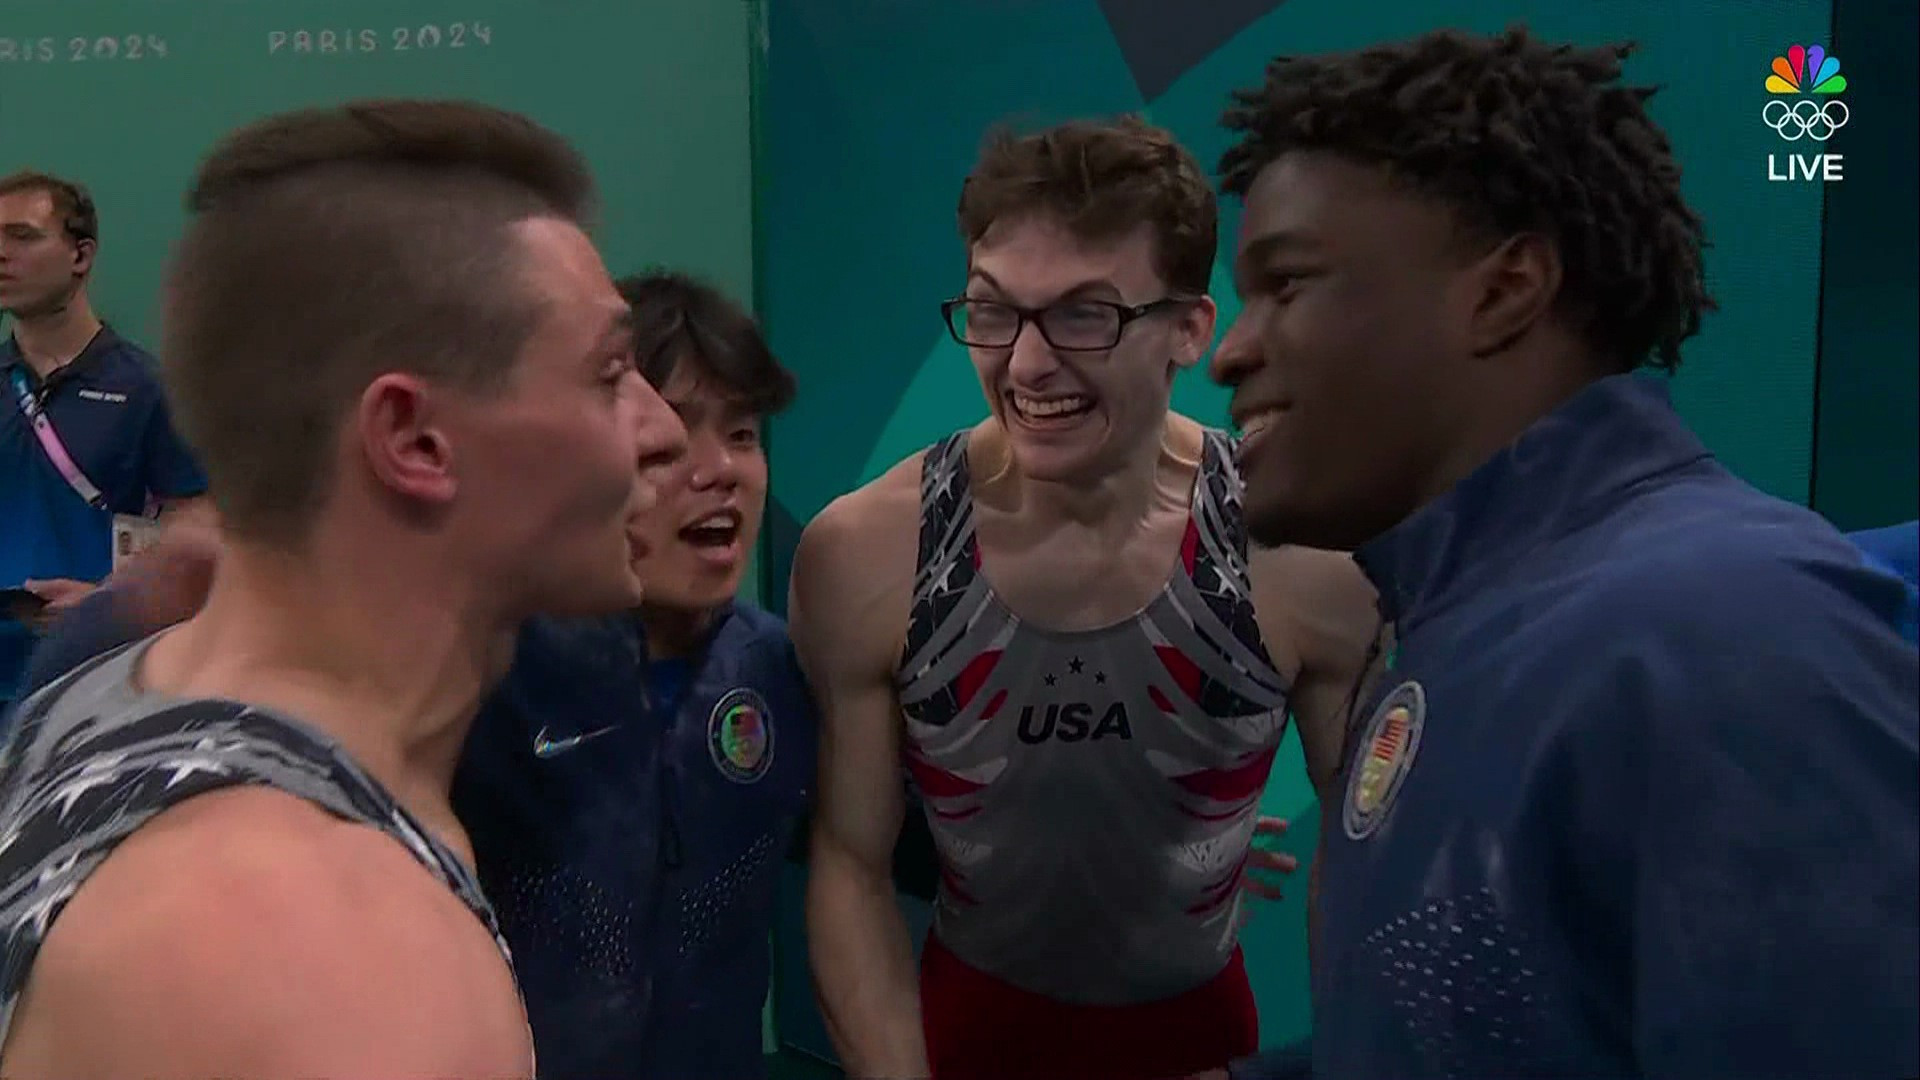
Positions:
(1636, 796)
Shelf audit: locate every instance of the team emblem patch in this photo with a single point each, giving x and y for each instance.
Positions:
(740, 735)
(1384, 757)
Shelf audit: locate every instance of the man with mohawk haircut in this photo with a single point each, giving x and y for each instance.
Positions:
(229, 850)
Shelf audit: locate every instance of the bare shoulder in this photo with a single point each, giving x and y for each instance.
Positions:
(248, 932)
(853, 568)
(1186, 435)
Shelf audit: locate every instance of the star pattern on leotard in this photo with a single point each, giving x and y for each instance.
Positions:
(948, 563)
(1223, 583)
(76, 787)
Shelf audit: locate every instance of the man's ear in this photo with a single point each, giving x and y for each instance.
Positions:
(1516, 285)
(1194, 332)
(402, 440)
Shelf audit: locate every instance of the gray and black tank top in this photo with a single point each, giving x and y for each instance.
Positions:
(91, 759)
(1092, 794)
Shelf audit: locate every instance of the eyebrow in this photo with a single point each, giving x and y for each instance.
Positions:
(1091, 285)
(728, 407)
(620, 325)
(1276, 243)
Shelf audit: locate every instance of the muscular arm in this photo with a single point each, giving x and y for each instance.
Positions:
(245, 933)
(852, 578)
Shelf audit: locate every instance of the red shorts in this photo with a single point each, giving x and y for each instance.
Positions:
(979, 1028)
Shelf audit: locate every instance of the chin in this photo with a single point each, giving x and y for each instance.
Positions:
(691, 601)
(587, 601)
(692, 589)
(622, 593)
(1280, 523)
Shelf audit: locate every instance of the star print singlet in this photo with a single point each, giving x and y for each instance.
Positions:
(92, 758)
(1091, 794)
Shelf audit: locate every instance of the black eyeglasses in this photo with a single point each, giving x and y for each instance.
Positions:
(1070, 326)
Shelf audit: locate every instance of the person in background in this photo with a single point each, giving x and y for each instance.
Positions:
(633, 784)
(86, 440)
(1637, 794)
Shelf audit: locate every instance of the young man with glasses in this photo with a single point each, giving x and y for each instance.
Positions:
(1055, 617)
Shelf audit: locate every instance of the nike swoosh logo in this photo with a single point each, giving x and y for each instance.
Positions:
(544, 747)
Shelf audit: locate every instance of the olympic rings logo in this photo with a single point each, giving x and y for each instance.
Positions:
(1805, 118)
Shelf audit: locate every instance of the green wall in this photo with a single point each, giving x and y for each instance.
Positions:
(874, 111)
(655, 93)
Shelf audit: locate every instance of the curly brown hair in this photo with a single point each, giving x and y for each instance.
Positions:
(1101, 180)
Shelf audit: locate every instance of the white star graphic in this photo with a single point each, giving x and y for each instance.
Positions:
(97, 772)
(184, 767)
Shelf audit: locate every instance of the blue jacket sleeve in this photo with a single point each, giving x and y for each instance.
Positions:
(94, 626)
(1775, 847)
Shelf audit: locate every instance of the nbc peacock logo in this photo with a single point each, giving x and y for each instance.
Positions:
(1806, 69)
(1804, 104)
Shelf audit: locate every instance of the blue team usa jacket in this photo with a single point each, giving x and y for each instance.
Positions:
(1638, 797)
(629, 821)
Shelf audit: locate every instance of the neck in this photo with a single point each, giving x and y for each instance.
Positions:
(1148, 476)
(370, 644)
(50, 341)
(673, 633)
(1518, 394)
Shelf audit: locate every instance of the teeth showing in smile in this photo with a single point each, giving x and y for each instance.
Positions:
(717, 529)
(1047, 407)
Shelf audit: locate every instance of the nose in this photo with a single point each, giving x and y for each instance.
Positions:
(710, 462)
(1238, 354)
(663, 438)
(1032, 359)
